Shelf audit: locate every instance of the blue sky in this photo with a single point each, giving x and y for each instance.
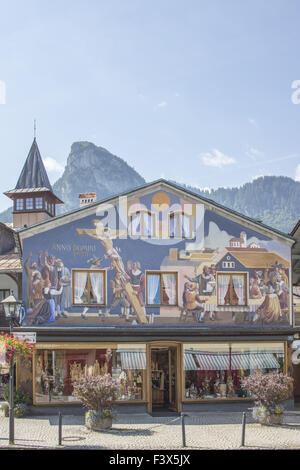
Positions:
(195, 91)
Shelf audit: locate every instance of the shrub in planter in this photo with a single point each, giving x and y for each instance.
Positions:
(97, 393)
(269, 391)
(21, 401)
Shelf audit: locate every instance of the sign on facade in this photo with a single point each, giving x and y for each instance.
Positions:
(28, 337)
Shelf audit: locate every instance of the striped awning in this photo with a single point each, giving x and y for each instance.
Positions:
(189, 362)
(133, 360)
(245, 361)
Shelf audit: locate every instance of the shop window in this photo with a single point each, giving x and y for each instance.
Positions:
(180, 225)
(232, 289)
(19, 204)
(214, 371)
(161, 288)
(89, 287)
(56, 370)
(142, 224)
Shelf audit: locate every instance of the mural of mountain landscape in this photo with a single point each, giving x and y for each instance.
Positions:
(274, 200)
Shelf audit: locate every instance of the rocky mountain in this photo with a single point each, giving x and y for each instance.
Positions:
(92, 168)
(272, 199)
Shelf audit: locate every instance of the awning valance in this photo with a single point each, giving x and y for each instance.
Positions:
(133, 360)
(234, 361)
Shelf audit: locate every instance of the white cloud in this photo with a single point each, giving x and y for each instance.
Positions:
(253, 122)
(297, 173)
(53, 166)
(254, 153)
(216, 158)
(163, 104)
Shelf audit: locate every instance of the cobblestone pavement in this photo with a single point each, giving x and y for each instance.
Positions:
(203, 431)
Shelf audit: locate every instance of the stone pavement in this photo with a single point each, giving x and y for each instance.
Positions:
(203, 431)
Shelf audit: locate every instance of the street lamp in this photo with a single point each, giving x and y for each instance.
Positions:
(12, 309)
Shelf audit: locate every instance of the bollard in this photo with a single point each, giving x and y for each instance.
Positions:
(243, 430)
(183, 429)
(59, 428)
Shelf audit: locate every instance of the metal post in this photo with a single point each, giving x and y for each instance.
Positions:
(11, 397)
(59, 428)
(243, 430)
(183, 430)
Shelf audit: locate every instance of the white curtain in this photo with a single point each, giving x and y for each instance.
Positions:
(239, 287)
(172, 226)
(153, 284)
(97, 286)
(186, 226)
(80, 283)
(147, 224)
(169, 281)
(136, 224)
(223, 283)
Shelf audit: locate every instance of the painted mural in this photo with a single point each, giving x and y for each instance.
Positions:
(163, 260)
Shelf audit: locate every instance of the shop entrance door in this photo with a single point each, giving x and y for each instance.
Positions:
(164, 379)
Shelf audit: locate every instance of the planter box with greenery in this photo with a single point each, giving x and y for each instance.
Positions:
(269, 391)
(97, 393)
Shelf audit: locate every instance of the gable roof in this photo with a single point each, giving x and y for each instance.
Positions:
(159, 185)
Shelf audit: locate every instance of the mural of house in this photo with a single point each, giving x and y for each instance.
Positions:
(173, 294)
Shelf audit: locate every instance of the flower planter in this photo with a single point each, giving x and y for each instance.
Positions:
(96, 421)
(263, 416)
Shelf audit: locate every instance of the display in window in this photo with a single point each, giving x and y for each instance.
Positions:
(217, 371)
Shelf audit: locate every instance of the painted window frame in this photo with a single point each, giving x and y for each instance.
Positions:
(246, 287)
(160, 273)
(142, 233)
(90, 305)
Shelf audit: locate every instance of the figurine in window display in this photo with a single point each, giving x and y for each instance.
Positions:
(206, 385)
(230, 386)
(217, 385)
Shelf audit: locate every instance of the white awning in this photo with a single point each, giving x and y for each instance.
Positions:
(133, 360)
(245, 361)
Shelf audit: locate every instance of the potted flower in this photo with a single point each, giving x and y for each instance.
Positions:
(97, 393)
(269, 391)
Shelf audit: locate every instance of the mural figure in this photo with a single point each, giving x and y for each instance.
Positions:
(64, 300)
(104, 235)
(119, 297)
(192, 304)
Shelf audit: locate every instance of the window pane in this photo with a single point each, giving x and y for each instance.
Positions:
(223, 289)
(81, 287)
(96, 288)
(129, 370)
(136, 224)
(216, 370)
(19, 204)
(169, 289)
(38, 202)
(239, 288)
(29, 203)
(57, 370)
(153, 289)
(186, 226)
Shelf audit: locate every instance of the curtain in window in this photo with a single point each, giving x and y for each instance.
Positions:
(98, 286)
(80, 283)
(136, 224)
(186, 228)
(169, 281)
(153, 286)
(239, 287)
(147, 224)
(172, 226)
(223, 284)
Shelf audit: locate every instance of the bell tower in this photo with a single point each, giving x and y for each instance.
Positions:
(33, 196)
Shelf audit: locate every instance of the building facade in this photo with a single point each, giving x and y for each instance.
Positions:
(175, 296)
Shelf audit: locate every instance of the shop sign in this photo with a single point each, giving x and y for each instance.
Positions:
(27, 337)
